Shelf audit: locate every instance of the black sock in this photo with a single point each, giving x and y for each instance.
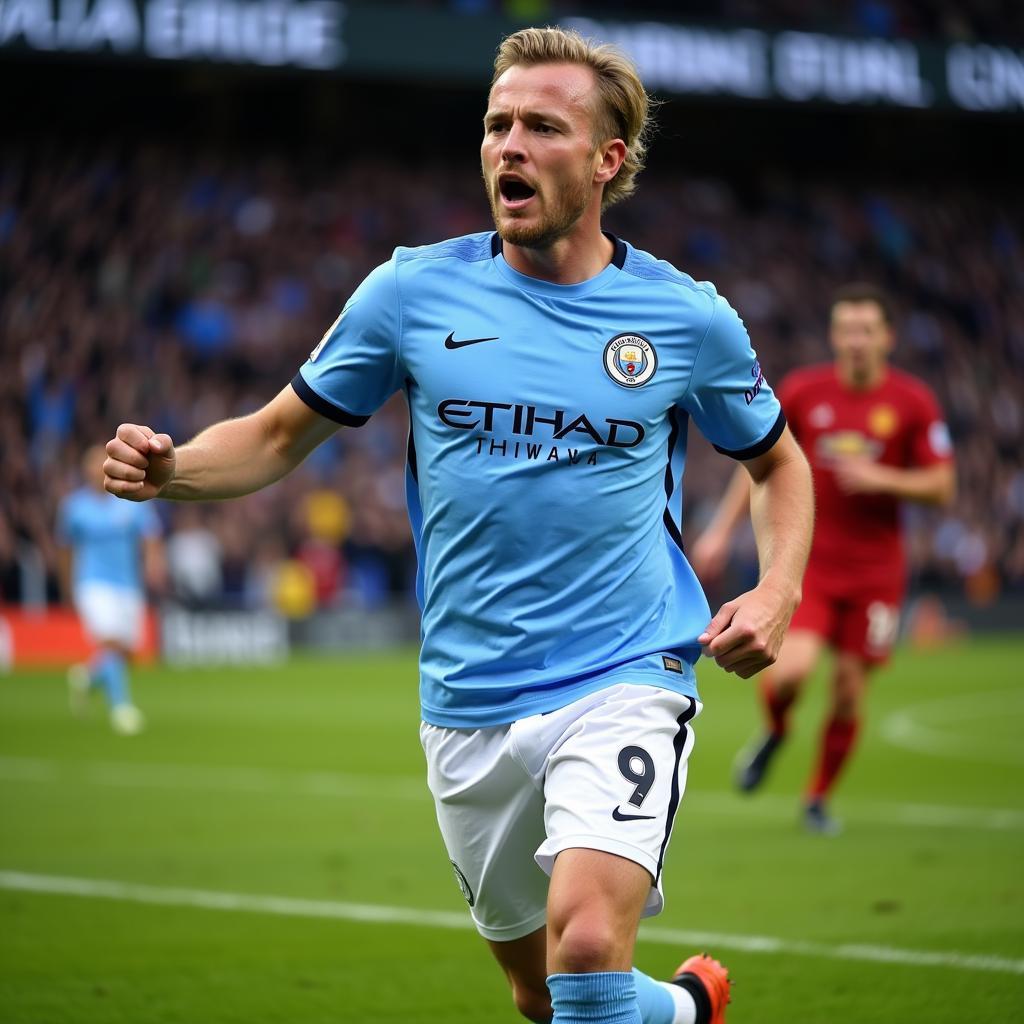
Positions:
(696, 988)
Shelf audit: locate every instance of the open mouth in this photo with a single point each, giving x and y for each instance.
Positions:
(515, 193)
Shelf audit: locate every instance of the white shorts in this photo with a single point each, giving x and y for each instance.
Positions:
(606, 772)
(110, 614)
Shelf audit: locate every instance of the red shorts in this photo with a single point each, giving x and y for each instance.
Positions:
(853, 615)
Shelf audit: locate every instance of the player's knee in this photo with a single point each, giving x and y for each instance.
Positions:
(534, 1004)
(786, 687)
(846, 705)
(846, 702)
(848, 692)
(585, 946)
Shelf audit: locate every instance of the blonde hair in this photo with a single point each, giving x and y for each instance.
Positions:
(624, 108)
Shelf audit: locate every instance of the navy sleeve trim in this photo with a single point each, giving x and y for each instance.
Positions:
(322, 406)
(765, 444)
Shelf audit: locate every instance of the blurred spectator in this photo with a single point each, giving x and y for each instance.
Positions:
(193, 558)
(324, 522)
(10, 573)
(184, 288)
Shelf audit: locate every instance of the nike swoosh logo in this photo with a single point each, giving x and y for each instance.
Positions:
(450, 341)
(619, 816)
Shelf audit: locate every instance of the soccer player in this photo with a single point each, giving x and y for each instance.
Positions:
(110, 549)
(550, 370)
(875, 438)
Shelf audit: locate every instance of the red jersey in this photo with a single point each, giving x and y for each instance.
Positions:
(897, 423)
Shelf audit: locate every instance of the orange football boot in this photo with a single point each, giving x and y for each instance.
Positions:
(713, 978)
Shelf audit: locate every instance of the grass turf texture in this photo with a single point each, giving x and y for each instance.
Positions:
(307, 781)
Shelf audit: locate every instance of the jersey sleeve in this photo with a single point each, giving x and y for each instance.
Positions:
(355, 367)
(728, 396)
(930, 443)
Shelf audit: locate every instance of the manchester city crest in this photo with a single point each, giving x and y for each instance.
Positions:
(467, 892)
(630, 360)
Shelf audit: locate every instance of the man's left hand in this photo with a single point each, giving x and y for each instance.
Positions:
(858, 475)
(746, 634)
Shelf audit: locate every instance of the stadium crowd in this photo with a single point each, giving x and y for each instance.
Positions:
(176, 289)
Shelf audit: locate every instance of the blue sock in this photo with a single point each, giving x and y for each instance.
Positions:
(111, 672)
(655, 1001)
(607, 997)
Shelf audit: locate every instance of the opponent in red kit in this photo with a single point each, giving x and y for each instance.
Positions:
(875, 437)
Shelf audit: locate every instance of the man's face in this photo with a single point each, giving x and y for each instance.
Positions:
(861, 338)
(538, 152)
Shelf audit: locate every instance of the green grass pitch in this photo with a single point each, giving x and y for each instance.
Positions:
(305, 782)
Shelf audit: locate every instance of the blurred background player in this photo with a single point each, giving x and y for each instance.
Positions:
(112, 548)
(875, 438)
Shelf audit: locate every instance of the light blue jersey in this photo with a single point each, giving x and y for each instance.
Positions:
(106, 536)
(548, 436)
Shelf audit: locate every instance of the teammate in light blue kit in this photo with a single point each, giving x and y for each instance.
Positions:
(550, 371)
(108, 544)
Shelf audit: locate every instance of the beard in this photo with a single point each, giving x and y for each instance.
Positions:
(572, 200)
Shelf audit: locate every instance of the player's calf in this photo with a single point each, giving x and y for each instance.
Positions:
(533, 1004)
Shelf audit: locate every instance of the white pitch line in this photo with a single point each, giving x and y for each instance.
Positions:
(230, 778)
(913, 815)
(29, 769)
(339, 785)
(288, 906)
(911, 728)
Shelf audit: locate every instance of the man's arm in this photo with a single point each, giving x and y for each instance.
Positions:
(229, 459)
(710, 552)
(929, 485)
(746, 634)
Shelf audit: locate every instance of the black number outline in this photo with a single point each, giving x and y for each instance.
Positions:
(643, 781)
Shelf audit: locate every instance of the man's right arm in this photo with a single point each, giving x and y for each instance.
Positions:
(710, 551)
(746, 634)
(227, 460)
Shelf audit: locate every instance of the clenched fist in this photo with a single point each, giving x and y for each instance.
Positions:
(139, 463)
